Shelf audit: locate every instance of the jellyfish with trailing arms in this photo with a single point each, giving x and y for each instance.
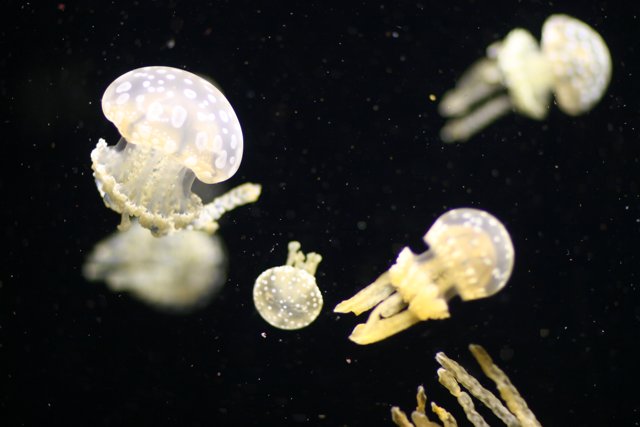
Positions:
(572, 62)
(175, 127)
(287, 296)
(470, 254)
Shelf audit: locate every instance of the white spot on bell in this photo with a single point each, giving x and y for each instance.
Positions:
(221, 161)
(189, 93)
(201, 140)
(122, 98)
(123, 87)
(178, 116)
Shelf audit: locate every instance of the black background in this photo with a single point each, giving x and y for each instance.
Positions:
(339, 129)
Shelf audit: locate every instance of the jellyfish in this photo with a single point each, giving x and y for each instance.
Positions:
(573, 62)
(175, 127)
(287, 296)
(177, 272)
(470, 254)
(452, 375)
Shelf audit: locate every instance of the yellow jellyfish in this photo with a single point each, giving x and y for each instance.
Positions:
(470, 254)
(573, 62)
(174, 127)
(287, 296)
(452, 375)
(176, 272)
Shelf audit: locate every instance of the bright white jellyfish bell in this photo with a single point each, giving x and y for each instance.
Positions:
(174, 127)
(287, 296)
(470, 254)
(573, 63)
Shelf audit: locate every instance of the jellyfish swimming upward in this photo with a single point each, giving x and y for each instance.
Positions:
(175, 127)
(572, 62)
(470, 254)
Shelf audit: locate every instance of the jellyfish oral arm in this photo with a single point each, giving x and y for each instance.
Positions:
(128, 178)
(480, 82)
(461, 129)
(402, 297)
(379, 327)
(368, 297)
(213, 211)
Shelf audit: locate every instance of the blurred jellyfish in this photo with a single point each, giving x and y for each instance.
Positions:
(470, 254)
(287, 296)
(176, 272)
(174, 127)
(573, 63)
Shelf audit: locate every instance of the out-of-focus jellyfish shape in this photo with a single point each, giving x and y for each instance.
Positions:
(287, 296)
(452, 375)
(573, 62)
(174, 127)
(177, 272)
(470, 254)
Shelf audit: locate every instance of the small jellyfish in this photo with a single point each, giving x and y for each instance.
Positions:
(470, 254)
(574, 63)
(174, 127)
(177, 272)
(287, 296)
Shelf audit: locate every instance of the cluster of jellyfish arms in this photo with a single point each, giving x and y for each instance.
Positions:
(177, 127)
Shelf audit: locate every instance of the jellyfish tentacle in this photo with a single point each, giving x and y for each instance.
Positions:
(236, 197)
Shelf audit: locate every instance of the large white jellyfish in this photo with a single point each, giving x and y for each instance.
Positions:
(470, 254)
(573, 62)
(176, 272)
(175, 126)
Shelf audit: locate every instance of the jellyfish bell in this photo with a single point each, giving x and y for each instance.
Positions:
(572, 62)
(476, 248)
(470, 255)
(174, 127)
(287, 296)
(580, 62)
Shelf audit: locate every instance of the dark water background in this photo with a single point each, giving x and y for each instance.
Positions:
(334, 102)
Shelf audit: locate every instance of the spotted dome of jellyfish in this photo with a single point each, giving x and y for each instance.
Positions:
(175, 127)
(287, 296)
